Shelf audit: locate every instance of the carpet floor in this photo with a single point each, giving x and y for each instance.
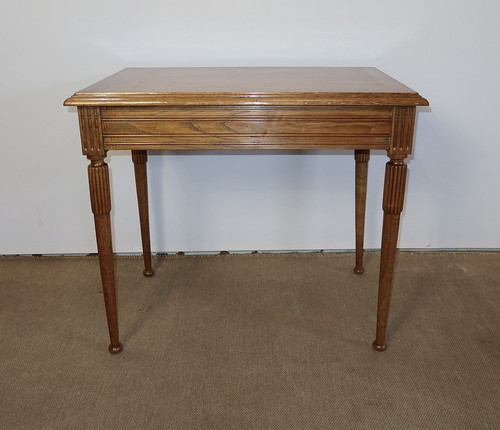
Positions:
(253, 341)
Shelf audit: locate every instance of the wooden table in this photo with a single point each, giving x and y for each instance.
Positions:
(303, 108)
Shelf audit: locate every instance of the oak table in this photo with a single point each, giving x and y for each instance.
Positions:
(297, 108)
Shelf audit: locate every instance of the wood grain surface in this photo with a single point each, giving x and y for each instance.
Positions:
(248, 86)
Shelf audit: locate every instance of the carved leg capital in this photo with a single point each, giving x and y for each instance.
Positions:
(362, 155)
(139, 157)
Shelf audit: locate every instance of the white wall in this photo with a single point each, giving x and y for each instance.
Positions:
(447, 50)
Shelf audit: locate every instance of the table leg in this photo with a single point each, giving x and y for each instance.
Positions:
(140, 159)
(100, 199)
(394, 191)
(362, 157)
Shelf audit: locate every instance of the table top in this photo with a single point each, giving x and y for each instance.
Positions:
(357, 86)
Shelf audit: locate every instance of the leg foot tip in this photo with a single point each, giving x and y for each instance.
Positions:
(115, 349)
(378, 347)
(148, 272)
(358, 270)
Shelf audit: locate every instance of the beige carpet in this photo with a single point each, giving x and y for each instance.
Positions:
(280, 341)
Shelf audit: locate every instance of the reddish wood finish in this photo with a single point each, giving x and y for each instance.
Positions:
(248, 108)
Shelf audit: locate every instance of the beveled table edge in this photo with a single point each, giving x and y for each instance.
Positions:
(246, 99)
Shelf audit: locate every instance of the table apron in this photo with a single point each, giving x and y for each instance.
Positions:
(284, 127)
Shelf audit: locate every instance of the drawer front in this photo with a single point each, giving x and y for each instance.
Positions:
(247, 127)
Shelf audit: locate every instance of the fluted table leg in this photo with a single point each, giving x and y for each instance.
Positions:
(394, 191)
(362, 157)
(140, 159)
(101, 207)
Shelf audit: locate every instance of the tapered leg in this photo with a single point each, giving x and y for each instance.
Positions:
(140, 159)
(362, 157)
(394, 191)
(101, 207)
